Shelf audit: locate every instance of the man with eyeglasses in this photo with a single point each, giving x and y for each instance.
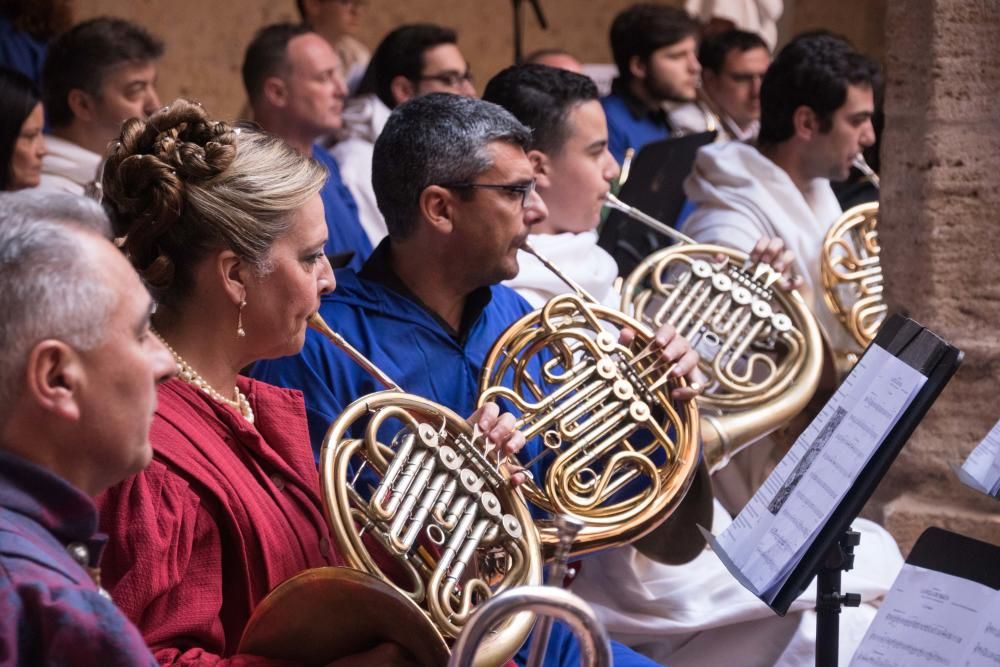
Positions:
(458, 193)
(412, 60)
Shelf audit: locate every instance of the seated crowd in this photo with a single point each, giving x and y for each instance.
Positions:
(163, 401)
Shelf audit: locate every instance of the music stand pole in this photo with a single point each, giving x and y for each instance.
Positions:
(829, 599)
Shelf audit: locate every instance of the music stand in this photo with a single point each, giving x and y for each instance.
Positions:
(655, 186)
(830, 552)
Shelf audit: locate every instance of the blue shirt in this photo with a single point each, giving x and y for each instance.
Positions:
(51, 611)
(20, 51)
(380, 318)
(342, 221)
(630, 123)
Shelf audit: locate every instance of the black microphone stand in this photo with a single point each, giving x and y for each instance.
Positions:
(519, 27)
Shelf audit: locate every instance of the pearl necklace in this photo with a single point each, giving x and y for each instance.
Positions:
(188, 374)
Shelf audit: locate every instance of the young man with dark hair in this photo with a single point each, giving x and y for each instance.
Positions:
(733, 65)
(817, 101)
(655, 48)
(296, 89)
(689, 614)
(412, 60)
(96, 76)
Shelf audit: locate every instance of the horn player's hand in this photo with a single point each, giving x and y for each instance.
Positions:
(675, 349)
(499, 429)
(773, 251)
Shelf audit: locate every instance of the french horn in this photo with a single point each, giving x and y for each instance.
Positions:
(618, 453)
(851, 271)
(761, 348)
(417, 501)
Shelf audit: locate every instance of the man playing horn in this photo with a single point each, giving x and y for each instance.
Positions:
(458, 194)
(690, 614)
(817, 101)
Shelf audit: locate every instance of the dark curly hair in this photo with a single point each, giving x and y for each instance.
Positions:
(180, 185)
(813, 70)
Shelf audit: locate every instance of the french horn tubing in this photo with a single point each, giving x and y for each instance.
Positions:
(851, 271)
(416, 498)
(619, 453)
(760, 347)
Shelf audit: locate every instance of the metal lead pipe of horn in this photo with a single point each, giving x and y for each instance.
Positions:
(617, 204)
(861, 165)
(572, 284)
(317, 323)
(567, 528)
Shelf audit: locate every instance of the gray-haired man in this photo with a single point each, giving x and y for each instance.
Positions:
(78, 375)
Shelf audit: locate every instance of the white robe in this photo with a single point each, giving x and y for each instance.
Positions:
(364, 118)
(741, 196)
(576, 255)
(69, 167)
(697, 613)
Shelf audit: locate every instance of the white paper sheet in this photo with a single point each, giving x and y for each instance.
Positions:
(932, 619)
(770, 535)
(981, 470)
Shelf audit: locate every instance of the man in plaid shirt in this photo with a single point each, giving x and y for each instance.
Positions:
(78, 375)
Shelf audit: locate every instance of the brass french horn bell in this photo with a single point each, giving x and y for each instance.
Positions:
(761, 348)
(417, 501)
(619, 453)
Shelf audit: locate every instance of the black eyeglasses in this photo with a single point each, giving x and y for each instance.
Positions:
(450, 79)
(523, 189)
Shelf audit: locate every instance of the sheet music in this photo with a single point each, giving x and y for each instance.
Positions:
(764, 543)
(933, 619)
(981, 470)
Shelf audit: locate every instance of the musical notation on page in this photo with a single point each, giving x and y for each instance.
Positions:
(770, 535)
(933, 619)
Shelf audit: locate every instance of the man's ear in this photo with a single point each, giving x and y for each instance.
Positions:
(402, 89)
(81, 104)
(805, 122)
(275, 91)
(437, 207)
(54, 378)
(636, 67)
(542, 167)
(235, 273)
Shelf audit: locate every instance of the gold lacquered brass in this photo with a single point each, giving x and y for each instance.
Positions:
(852, 272)
(622, 454)
(760, 347)
(415, 497)
(330, 612)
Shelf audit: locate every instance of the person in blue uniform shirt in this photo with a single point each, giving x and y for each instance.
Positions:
(656, 51)
(457, 191)
(296, 89)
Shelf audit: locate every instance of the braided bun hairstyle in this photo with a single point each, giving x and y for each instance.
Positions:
(179, 185)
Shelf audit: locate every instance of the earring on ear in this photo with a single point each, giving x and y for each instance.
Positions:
(240, 331)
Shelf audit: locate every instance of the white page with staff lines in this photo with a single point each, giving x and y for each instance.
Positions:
(933, 619)
(770, 534)
(981, 470)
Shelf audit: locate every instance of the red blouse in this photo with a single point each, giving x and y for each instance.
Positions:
(225, 512)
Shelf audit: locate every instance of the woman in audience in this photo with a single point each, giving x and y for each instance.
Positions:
(22, 145)
(226, 226)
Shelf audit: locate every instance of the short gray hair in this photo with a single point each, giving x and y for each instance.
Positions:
(435, 139)
(38, 204)
(48, 288)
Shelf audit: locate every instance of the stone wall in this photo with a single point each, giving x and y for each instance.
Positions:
(940, 231)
